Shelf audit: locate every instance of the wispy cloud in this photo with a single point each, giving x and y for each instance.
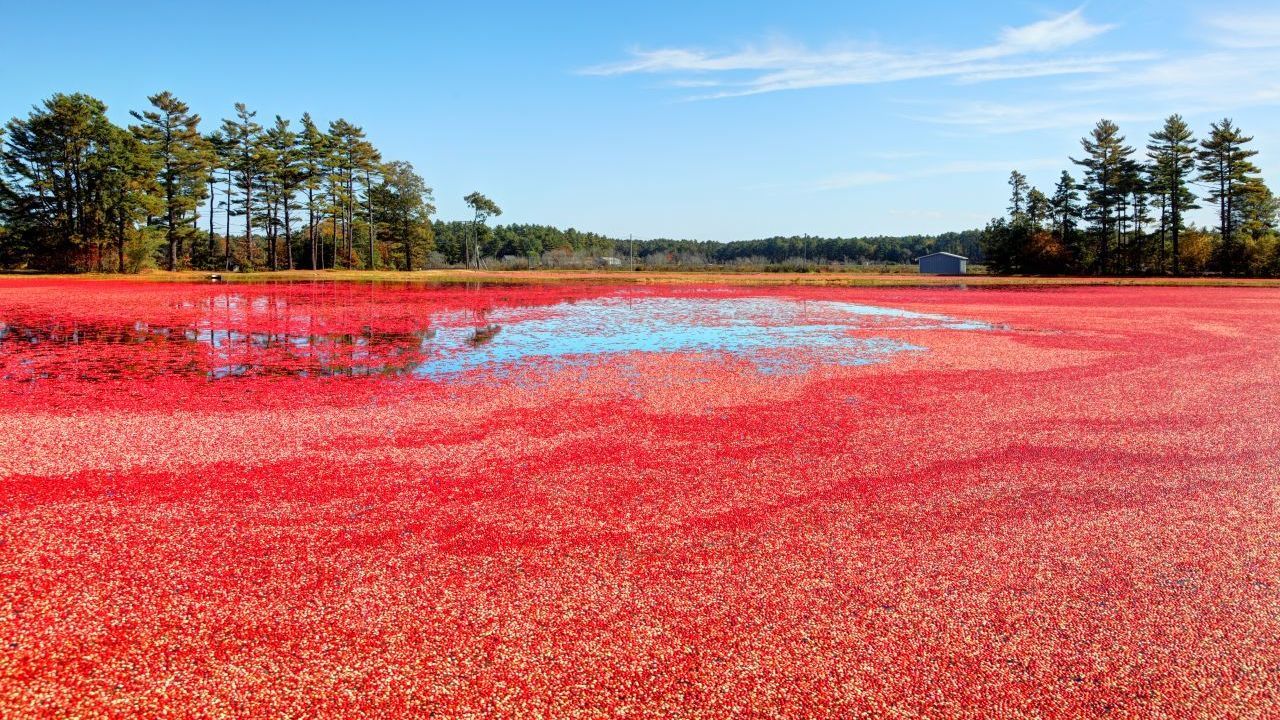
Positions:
(1053, 34)
(1251, 30)
(1239, 66)
(1018, 52)
(861, 178)
(1002, 118)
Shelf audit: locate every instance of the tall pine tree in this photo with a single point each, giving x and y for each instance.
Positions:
(1106, 165)
(1066, 212)
(1173, 160)
(1226, 168)
(171, 133)
(314, 154)
(244, 160)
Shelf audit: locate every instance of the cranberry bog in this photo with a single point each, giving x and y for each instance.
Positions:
(358, 500)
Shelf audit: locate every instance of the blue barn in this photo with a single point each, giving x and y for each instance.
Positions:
(944, 263)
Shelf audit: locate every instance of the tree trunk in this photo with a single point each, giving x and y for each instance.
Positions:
(226, 237)
(272, 233)
(248, 223)
(373, 231)
(335, 230)
(311, 225)
(170, 222)
(288, 233)
(212, 211)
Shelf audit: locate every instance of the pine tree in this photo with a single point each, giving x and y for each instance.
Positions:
(354, 158)
(55, 164)
(1038, 208)
(1017, 195)
(244, 161)
(313, 164)
(1066, 211)
(283, 176)
(1259, 215)
(1105, 166)
(215, 143)
(130, 190)
(1133, 216)
(484, 208)
(1173, 160)
(403, 205)
(171, 134)
(1226, 168)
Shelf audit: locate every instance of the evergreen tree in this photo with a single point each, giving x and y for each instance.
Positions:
(484, 208)
(404, 207)
(1226, 168)
(314, 154)
(1038, 208)
(245, 162)
(1017, 195)
(1259, 214)
(283, 177)
(214, 142)
(170, 132)
(1105, 164)
(55, 165)
(1173, 160)
(131, 193)
(354, 158)
(1066, 211)
(1133, 216)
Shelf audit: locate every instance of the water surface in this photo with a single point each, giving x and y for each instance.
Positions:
(432, 333)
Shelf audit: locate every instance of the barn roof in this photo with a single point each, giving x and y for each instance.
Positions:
(945, 254)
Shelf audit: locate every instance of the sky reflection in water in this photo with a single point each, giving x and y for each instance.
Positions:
(242, 334)
(762, 330)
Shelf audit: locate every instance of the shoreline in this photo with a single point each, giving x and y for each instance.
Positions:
(653, 277)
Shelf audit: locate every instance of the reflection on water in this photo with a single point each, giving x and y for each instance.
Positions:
(767, 331)
(273, 334)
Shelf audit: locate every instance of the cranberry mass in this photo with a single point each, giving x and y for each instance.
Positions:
(359, 500)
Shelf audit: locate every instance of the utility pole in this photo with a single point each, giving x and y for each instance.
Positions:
(632, 240)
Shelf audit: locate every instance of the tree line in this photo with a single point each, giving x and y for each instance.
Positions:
(532, 245)
(81, 193)
(1127, 215)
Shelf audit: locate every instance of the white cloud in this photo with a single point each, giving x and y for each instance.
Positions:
(1233, 64)
(1238, 66)
(1019, 52)
(1052, 34)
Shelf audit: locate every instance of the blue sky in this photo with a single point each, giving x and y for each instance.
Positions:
(719, 121)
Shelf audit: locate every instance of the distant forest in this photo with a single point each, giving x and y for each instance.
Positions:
(1127, 213)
